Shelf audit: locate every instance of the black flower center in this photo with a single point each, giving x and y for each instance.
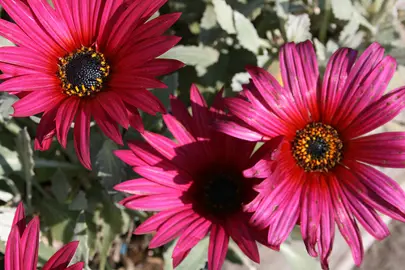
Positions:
(317, 147)
(219, 193)
(83, 72)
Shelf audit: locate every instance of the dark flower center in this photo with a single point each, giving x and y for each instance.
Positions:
(83, 72)
(317, 147)
(219, 193)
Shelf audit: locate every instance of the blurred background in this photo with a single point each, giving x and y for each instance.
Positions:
(218, 39)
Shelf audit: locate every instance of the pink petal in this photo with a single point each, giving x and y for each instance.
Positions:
(64, 118)
(12, 260)
(334, 80)
(267, 124)
(372, 88)
(82, 134)
(114, 107)
(13, 32)
(37, 102)
(143, 100)
(181, 113)
(19, 218)
(294, 79)
(173, 179)
(135, 119)
(46, 128)
(239, 231)
(200, 111)
(171, 229)
(238, 131)
(28, 59)
(155, 202)
(29, 245)
(378, 113)
(141, 186)
(61, 259)
(182, 135)
(384, 149)
(129, 158)
(107, 124)
(154, 222)
(76, 266)
(310, 214)
(218, 247)
(192, 235)
(149, 155)
(345, 221)
(381, 184)
(274, 96)
(367, 217)
(31, 82)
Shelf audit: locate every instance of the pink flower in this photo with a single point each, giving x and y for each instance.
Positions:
(196, 183)
(321, 178)
(22, 247)
(84, 59)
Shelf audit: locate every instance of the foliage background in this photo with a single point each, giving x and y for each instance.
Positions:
(218, 39)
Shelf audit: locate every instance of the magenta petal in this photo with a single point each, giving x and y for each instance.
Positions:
(173, 179)
(180, 111)
(238, 131)
(64, 118)
(61, 259)
(218, 247)
(238, 230)
(19, 218)
(200, 112)
(334, 80)
(192, 235)
(156, 202)
(182, 135)
(154, 222)
(384, 149)
(37, 102)
(29, 245)
(114, 106)
(129, 158)
(76, 266)
(82, 135)
(107, 124)
(171, 228)
(140, 186)
(135, 119)
(345, 221)
(12, 260)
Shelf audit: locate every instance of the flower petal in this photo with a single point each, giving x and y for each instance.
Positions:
(218, 247)
(64, 118)
(82, 134)
(61, 259)
(29, 245)
(37, 102)
(12, 260)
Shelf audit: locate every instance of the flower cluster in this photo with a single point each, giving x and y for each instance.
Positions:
(97, 59)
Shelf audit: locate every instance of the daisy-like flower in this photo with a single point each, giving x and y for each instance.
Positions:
(82, 59)
(22, 247)
(322, 177)
(196, 183)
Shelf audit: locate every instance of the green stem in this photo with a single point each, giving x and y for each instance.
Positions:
(324, 27)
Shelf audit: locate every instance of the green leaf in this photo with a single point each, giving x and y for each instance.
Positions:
(298, 28)
(46, 163)
(246, 33)
(25, 155)
(60, 185)
(196, 259)
(209, 19)
(79, 202)
(224, 16)
(233, 257)
(9, 161)
(6, 100)
(80, 234)
(342, 9)
(110, 168)
(202, 56)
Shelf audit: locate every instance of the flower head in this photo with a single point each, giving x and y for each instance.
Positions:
(321, 177)
(22, 247)
(84, 59)
(196, 183)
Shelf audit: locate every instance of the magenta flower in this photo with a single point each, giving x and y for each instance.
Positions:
(85, 59)
(321, 177)
(196, 183)
(22, 247)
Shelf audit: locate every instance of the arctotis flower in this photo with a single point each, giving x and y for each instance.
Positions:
(196, 183)
(22, 247)
(82, 59)
(322, 176)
